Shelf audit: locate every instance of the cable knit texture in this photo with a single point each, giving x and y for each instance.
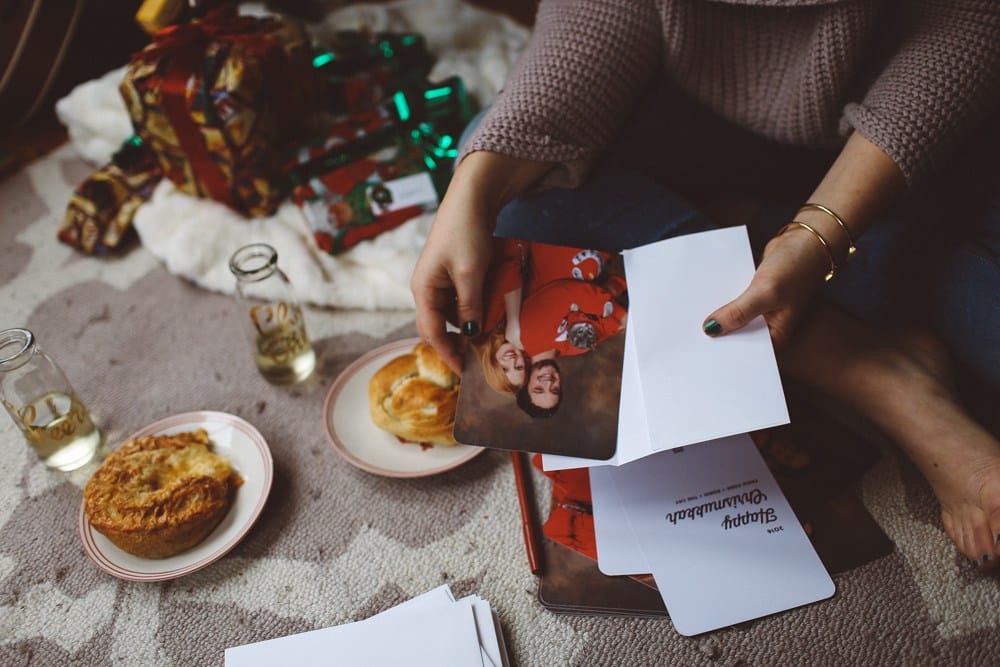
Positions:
(914, 77)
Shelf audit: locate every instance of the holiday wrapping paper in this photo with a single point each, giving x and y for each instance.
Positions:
(216, 100)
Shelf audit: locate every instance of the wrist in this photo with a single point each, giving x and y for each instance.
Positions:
(839, 240)
(801, 240)
(495, 179)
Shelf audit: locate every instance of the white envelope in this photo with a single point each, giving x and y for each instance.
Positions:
(720, 539)
(618, 550)
(696, 388)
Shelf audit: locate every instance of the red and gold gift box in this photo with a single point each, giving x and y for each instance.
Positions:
(98, 218)
(217, 100)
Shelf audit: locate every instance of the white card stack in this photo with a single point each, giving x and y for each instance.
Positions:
(432, 629)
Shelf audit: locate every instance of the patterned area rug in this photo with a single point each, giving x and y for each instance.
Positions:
(336, 544)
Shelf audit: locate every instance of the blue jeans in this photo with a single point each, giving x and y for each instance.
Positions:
(933, 261)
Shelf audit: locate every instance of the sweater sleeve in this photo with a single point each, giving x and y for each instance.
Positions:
(939, 85)
(583, 70)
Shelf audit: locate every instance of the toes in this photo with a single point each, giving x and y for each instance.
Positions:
(961, 538)
(983, 545)
(974, 537)
(991, 504)
(950, 529)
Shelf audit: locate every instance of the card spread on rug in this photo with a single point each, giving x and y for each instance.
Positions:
(712, 526)
(430, 629)
(679, 386)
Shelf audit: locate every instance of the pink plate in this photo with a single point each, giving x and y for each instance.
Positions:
(245, 447)
(355, 437)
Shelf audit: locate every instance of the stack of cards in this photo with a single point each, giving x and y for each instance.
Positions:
(431, 629)
(711, 525)
(557, 372)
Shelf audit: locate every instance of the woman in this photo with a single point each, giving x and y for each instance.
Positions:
(839, 118)
(505, 367)
(541, 395)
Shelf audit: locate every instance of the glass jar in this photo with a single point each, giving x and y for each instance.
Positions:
(276, 326)
(42, 403)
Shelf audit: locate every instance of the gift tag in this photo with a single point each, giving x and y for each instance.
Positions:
(400, 193)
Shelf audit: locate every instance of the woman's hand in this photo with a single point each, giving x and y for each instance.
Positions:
(447, 282)
(861, 182)
(788, 277)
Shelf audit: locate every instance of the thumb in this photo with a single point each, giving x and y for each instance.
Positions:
(739, 312)
(469, 309)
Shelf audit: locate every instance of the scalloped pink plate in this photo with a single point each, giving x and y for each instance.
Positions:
(356, 438)
(246, 448)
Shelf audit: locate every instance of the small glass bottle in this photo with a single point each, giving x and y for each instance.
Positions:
(276, 326)
(42, 403)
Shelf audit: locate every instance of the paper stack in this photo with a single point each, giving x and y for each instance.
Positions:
(432, 629)
(686, 496)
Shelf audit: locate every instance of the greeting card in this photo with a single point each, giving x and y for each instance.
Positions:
(545, 375)
(717, 534)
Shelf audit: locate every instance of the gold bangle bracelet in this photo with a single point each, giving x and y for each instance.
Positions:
(819, 237)
(851, 249)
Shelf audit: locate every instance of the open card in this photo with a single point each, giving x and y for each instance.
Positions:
(545, 375)
(712, 526)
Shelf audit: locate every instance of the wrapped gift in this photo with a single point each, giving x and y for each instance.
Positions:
(367, 196)
(99, 216)
(360, 71)
(375, 170)
(217, 100)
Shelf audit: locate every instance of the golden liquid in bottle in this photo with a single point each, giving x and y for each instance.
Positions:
(60, 430)
(284, 355)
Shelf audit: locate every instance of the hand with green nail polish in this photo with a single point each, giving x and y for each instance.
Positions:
(861, 181)
(787, 279)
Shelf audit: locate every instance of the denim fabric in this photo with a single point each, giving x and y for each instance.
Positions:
(933, 261)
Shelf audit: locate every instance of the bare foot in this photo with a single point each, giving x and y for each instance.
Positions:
(902, 383)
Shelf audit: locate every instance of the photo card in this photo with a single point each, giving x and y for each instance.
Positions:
(545, 374)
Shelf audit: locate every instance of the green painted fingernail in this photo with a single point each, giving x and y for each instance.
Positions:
(471, 328)
(986, 558)
(712, 327)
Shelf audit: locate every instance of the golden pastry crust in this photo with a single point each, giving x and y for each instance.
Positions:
(159, 495)
(414, 397)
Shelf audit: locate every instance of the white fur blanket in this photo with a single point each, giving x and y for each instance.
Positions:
(195, 238)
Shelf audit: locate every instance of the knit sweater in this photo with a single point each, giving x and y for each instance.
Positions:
(915, 77)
